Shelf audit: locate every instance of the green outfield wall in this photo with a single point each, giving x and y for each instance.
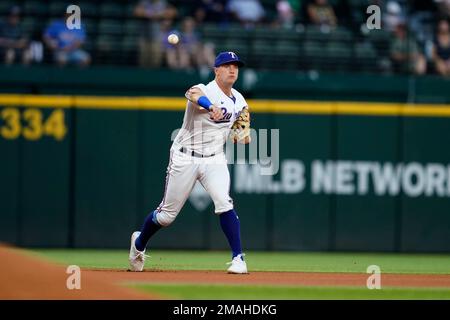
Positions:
(83, 171)
(83, 155)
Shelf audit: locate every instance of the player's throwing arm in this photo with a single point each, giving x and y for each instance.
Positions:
(240, 131)
(195, 95)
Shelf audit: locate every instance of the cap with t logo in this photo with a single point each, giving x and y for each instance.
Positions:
(227, 57)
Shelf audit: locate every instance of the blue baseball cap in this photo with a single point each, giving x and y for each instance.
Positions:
(227, 57)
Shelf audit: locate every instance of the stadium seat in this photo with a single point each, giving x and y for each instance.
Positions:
(260, 46)
(90, 26)
(358, 10)
(314, 33)
(365, 55)
(132, 27)
(263, 53)
(129, 43)
(235, 31)
(89, 45)
(34, 8)
(111, 10)
(288, 47)
(5, 6)
(129, 10)
(365, 49)
(381, 40)
(239, 46)
(106, 42)
(288, 52)
(338, 56)
(110, 27)
(359, 3)
(341, 34)
(334, 3)
(184, 9)
(313, 54)
(213, 33)
(338, 50)
(313, 48)
(266, 33)
(57, 9)
(108, 49)
(379, 35)
(28, 25)
(88, 9)
(358, 16)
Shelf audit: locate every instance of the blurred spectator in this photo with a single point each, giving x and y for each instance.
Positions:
(296, 5)
(189, 52)
(200, 54)
(66, 44)
(285, 14)
(211, 11)
(247, 12)
(13, 43)
(420, 19)
(441, 49)
(175, 54)
(405, 54)
(443, 7)
(321, 13)
(153, 12)
(392, 15)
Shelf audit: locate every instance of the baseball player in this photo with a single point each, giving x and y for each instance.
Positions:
(197, 154)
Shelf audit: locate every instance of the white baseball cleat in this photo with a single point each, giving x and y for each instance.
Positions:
(136, 258)
(237, 265)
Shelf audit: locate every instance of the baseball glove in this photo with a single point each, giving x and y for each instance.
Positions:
(241, 126)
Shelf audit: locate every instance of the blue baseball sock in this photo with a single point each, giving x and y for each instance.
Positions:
(229, 222)
(149, 228)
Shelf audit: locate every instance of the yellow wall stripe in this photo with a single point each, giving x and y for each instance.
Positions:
(267, 106)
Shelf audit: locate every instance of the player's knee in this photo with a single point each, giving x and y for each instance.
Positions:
(165, 219)
(223, 206)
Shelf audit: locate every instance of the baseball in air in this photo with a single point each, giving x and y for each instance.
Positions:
(173, 38)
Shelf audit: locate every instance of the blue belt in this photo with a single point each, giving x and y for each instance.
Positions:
(195, 154)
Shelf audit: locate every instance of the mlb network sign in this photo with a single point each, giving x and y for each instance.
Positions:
(343, 177)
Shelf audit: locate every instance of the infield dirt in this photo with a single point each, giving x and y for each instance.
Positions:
(23, 276)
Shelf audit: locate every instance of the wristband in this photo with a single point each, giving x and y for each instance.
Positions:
(204, 102)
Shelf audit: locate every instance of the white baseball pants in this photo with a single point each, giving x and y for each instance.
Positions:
(182, 173)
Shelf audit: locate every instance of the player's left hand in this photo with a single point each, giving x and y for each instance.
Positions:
(240, 130)
(215, 113)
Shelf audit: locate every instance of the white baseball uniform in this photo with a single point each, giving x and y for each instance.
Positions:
(197, 154)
